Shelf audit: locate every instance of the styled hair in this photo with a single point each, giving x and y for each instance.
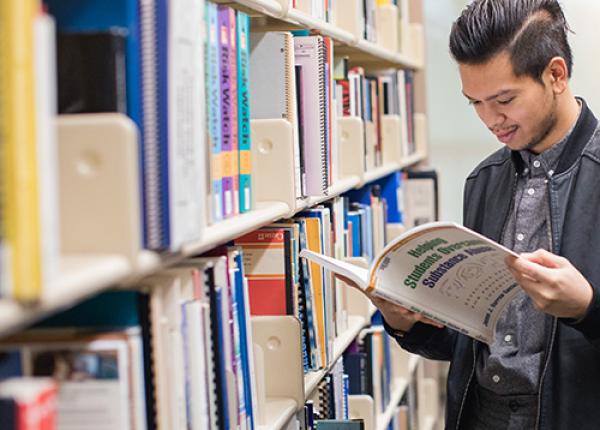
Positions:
(532, 32)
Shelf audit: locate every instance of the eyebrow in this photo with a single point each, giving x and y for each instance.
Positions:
(499, 94)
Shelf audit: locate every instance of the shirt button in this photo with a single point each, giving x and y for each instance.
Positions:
(508, 338)
(531, 191)
(536, 163)
(513, 405)
(550, 172)
(520, 237)
(496, 378)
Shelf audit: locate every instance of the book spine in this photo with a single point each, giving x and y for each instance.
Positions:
(245, 159)
(21, 210)
(235, 146)
(227, 115)
(162, 80)
(324, 114)
(214, 112)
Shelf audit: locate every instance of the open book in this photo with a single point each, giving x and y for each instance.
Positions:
(442, 270)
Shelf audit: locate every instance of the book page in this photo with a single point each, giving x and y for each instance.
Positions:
(448, 273)
(354, 273)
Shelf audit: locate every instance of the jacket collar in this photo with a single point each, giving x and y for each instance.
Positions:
(577, 141)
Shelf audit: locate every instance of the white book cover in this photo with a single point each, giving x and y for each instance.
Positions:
(442, 270)
(187, 141)
(308, 51)
(46, 103)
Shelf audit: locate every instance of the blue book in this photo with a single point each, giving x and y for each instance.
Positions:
(220, 323)
(245, 348)
(391, 191)
(104, 15)
(354, 218)
(243, 61)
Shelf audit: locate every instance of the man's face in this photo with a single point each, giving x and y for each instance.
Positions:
(520, 111)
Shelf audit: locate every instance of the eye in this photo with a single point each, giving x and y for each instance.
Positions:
(505, 102)
(474, 102)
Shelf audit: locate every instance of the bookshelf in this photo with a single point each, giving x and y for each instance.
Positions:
(119, 262)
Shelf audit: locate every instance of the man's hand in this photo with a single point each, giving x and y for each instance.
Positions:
(396, 316)
(555, 286)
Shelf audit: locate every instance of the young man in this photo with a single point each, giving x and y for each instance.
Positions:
(539, 195)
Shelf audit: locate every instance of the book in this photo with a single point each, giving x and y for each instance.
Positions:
(446, 272)
(245, 156)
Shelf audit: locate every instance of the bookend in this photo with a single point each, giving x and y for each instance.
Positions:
(391, 139)
(99, 185)
(370, 145)
(273, 158)
(348, 16)
(358, 303)
(387, 27)
(393, 230)
(351, 147)
(417, 49)
(420, 133)
(361, 406)
(278, 360)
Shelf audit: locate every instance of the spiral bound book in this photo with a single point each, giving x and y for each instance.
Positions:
(273, 93)
(310, 53)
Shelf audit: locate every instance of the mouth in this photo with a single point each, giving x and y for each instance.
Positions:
(507, 135)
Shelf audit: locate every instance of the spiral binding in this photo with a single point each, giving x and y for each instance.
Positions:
(150, 121)
(323, 116)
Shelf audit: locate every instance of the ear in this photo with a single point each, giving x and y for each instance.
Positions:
(557, 75)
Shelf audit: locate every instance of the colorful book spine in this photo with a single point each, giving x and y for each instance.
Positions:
(21, 234)
(235, 146)
(213, 89)
(245, 161)
(227, 14)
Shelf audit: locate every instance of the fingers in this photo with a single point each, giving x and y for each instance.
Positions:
(528, 270)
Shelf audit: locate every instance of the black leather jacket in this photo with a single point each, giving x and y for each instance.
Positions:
(569, 394)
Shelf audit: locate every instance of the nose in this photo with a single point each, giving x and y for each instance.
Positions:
(491, 117)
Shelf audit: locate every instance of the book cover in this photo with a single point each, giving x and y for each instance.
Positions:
(225, 15)
(265, 260)
(450, 274)
(213, 102)
(245, 159)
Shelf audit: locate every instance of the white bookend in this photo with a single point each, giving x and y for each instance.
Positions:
(99, 185)
(391, 139)
(273, 157)
(417, 43)
(349, 16)
(420, 121)
(370, 145)
(362, 407)
(352, 147)
(281, 375)
(387, 27)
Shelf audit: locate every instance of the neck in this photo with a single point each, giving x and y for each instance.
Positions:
(567, 112)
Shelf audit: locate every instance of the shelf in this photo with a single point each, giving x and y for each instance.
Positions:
(337, 189)
(359, 51)
(411, 160)
(224, 231)
(80, 277)
(380, 172)
(277, 413)
(341, 343)
(384, 419)
(326, 29)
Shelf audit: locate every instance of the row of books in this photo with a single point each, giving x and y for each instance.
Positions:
(366, 15)
(370, 97)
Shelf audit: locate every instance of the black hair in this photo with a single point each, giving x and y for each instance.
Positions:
(531, 31)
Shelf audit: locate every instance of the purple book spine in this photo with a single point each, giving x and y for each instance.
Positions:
(226, 14)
